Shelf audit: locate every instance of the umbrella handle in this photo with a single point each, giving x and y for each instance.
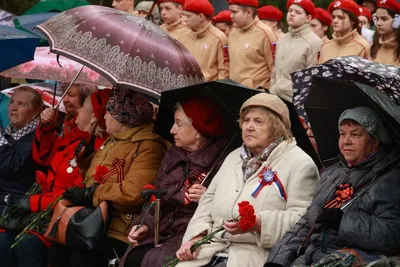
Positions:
(69, 87)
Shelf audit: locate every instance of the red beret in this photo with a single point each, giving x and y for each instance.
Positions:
(252, 3)
(323, 16)
(223, 16)
(347, 5)
(199, 7)
(389, 4)
(182, 2)
(99, 100)
(207, 116)
(307, 5)
(269, 13)
(365, 12)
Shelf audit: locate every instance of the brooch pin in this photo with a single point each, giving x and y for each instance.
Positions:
(269, 177)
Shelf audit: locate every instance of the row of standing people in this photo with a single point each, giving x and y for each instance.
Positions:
(369, 161)
(259, 56)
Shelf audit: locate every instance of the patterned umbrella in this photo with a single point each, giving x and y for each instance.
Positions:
(129, 51)
(385, 78)
(46, 66)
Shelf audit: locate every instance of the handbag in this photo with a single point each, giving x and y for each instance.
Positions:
(79, 227)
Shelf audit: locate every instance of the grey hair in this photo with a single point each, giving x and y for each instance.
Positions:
(85, 90)
(179, 106)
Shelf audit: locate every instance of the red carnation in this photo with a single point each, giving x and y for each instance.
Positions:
(150, 186)
(247, 215)
(101, 171)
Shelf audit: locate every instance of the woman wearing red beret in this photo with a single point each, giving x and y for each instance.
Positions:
(385, 48)
(272, 16)
(199, 141)
(321, 24)
(347, 39)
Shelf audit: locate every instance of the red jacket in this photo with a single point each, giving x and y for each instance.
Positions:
(55, 152)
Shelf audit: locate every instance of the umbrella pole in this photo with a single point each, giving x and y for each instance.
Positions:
(54, 95)
(151, 10)
(157, 222)
(219, 157)
(69, 87)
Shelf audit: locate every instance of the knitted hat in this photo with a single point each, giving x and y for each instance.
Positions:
(269, 13)
(129, 108)
(99, 100)
(365, 12)
(368, 119)
(223, 16)
(206, 116)
(307, 5)
(182, 2)
(199, 6)
(323, 16)
(389, 4)
(270, 102)
(346, 5)
(251, 3)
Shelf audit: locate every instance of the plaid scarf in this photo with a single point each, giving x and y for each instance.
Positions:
(252, 164)
(10, 132)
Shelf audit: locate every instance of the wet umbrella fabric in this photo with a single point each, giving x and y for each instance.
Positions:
(47, 66)
(329, 98)
(230, 95)
(385, 78)
(29, 22)
(16, 47)
(55, 6)
(128, 50)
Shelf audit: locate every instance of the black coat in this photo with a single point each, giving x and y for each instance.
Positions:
(17, 168)
(370, 223)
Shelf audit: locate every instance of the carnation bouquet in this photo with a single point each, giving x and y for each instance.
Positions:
(246, 220)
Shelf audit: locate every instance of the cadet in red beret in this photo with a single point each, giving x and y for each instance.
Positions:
(385, 47)
(298, 49)
(125, 5)
(347, 39)
(365, 17)
(223, 21)
(251, 46)
(171, 14)
(321, 23)
(272, 16)
(208, 45)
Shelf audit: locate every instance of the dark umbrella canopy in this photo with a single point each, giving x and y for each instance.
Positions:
(55, 6)
(231, 96)
(385, 78)
(128, 50)
(16, 47)
(329, 98)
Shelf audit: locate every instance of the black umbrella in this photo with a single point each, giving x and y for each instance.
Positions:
(326, 101)
(230, 95)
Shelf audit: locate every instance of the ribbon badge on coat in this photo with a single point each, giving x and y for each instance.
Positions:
(269, 177)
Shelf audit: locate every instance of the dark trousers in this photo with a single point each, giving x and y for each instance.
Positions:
(136, 256)
(29, 252)
(62, 256)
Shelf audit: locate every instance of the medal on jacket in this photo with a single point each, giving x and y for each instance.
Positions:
(269, 177)
(72, 165)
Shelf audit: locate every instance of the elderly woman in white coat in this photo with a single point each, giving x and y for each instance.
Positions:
(268, 156)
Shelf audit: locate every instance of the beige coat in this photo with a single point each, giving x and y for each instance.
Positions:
(227, 189)
(142, 150)
(175, 29)
(325, 39)
(297, 50)
(386, 52)
(251, 54)
(210, 48)
(352, 44)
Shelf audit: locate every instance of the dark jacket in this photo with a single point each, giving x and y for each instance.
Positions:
(175, 216)
(371, 222)
(17, 169)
